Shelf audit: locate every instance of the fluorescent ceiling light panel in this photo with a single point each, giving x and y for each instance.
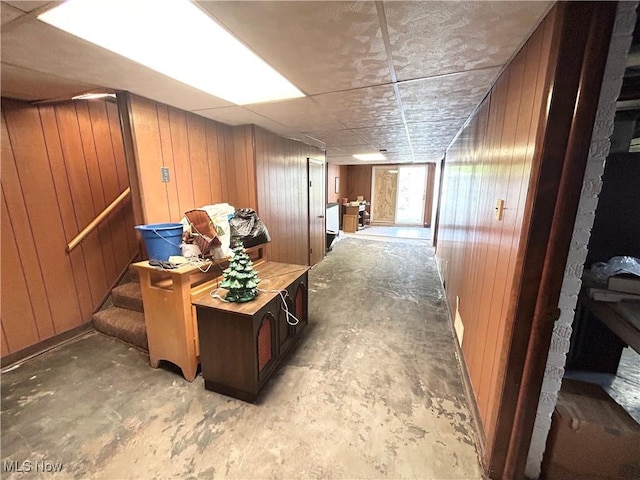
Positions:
(177, 39)
(93, 96)
(369, 157)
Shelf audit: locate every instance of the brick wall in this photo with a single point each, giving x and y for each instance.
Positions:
(624, 25)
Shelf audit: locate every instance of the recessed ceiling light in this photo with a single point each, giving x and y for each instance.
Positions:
(369, 157)
(177, 39)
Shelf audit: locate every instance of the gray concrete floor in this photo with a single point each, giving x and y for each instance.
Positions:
(372, 390)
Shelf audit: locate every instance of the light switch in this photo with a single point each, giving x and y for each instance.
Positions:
(165, 174)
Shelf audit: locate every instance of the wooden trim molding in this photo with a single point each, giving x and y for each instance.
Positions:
(124, 110)
(46, 345)
(582, 33)
(599, 27)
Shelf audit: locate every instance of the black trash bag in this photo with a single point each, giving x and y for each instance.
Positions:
(247, 227)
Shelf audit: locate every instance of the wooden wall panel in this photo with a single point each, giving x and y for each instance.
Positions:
(491, 159)
(359, 182)
(282, 194)
(18, 315)
(59, 171)
(244, 165)
(208, 162)
(340, 171)
(198, 152)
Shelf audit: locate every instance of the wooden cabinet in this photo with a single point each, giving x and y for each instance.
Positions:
(170, 319)
(241, 344)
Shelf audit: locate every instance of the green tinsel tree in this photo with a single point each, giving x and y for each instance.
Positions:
(240, 278)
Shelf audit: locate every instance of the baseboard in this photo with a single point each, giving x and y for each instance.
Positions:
(45, 345)
(466, 380)
(468, 389)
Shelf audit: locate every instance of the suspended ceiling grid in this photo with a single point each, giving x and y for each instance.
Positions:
(400, 76)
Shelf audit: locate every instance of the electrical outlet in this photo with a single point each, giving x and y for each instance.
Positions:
(165, 174)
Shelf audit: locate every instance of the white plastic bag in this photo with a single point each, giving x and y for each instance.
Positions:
(601, 271)
(220, 213)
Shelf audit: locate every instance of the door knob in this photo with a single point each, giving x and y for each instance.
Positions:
(320, 216)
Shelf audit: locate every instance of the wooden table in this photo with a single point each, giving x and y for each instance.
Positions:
(172, 330)
(241, 344)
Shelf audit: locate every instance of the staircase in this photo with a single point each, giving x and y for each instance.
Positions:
(123, 317)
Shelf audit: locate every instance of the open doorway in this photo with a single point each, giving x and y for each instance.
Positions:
(398, 195)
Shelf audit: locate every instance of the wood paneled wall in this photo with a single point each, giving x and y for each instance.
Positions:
(283, 193)
(491, 160)
(359, 182)
(208, 162)
(333, 171)
(62, 164)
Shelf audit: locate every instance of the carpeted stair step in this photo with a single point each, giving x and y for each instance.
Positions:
(128, 295)
(127, 325)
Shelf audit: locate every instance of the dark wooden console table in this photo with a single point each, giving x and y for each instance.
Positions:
(241, 344)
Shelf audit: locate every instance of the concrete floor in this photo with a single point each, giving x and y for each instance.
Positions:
(372, 390)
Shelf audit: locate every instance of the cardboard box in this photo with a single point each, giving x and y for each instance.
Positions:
(350, 223)
(591, 436)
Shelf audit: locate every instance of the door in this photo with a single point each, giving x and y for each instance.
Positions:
(398, 195)
(412, 181)
(317, 207)
(383, 195)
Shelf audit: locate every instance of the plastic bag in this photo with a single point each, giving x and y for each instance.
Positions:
(219, 214)
(203, 231)
(247, 227)
(601, 271)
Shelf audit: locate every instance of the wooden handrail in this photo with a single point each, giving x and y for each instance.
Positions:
(89, 228)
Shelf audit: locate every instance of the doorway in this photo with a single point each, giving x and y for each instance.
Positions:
(398, 195)
(317, 209)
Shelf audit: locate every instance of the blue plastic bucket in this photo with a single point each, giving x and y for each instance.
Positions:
(161, 240)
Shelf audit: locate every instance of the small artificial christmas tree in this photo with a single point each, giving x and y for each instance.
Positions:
(240, 278)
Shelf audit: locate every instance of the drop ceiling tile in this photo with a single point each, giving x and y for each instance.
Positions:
(237, 115)
(298, 114)
(482, 34)
(433, 135)
(338, 138)
(8, 13)
(391, 136)
(447, 97)
(363, 107)
(319, 46)
(28, 85)
(301, 137)
(428, 156)
(26, 5)
(353, 149)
